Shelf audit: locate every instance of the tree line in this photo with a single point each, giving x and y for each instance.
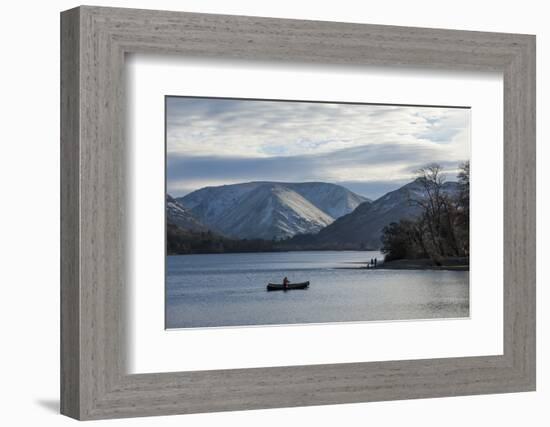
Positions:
(182, 242)
(442, 228)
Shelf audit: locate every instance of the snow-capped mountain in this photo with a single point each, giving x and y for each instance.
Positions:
(270, 210)
(364, 225)
(182, 217)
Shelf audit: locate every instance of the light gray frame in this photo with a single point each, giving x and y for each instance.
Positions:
(94, 41)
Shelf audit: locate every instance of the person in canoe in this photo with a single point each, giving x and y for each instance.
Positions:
(286, 282)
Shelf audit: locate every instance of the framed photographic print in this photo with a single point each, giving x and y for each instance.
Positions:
(262, 213)
(348, 202)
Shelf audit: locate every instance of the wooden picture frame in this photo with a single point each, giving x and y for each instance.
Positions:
(94, 382)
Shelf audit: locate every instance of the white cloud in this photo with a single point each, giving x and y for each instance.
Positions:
(395, 138)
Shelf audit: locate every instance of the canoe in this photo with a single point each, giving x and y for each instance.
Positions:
(280, 287)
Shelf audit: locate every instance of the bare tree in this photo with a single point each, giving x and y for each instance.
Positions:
(439, 212)
(442, 228)
(463, 205)
(431, 202)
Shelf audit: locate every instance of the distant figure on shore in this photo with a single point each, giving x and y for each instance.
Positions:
(285, 282)
(375, 261)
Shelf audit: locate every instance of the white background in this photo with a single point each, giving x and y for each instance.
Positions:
(152, 349)
(29, 233)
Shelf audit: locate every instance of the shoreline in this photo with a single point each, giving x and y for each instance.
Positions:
(447, 264)
(275, 252)
(450, 264)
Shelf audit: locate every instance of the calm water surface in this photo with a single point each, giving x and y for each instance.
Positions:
(230, 290)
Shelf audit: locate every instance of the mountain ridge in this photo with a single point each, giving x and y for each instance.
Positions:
(364, 225)
(270, 210)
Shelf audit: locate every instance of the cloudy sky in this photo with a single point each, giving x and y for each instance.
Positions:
(370, 149)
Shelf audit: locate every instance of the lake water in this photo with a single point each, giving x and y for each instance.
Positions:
(230, 290)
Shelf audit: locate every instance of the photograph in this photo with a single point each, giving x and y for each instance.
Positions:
(288, 212)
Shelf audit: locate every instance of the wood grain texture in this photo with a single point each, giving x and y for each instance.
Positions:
(70, 292)
(94, 271)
